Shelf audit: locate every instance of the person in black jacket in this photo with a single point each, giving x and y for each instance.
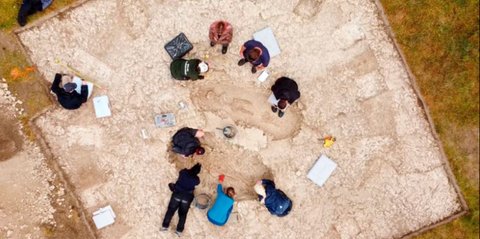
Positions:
(66, 95)
(182, 197)
(286, 92)
(186, 142)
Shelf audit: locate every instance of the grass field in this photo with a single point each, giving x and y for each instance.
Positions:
(440, 40)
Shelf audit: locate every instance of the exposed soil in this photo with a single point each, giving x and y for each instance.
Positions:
(221, 159)
(390, 178)
(35, 202)
(10, 140)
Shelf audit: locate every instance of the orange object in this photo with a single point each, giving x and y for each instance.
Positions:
(221, 178)
(30, 68)
(18, 72)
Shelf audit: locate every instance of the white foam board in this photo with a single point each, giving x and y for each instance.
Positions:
(104, 217)
(321, 170)
(266, 37)
(101, 105)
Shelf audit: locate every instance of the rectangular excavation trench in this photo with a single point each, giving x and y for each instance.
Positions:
(134, 182)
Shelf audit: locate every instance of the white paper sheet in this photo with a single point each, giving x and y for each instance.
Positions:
(272, 100)
(101, 105)
(262, 77)
(77, 80)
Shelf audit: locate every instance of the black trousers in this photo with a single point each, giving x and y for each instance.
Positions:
(180, 202)
(28, 7)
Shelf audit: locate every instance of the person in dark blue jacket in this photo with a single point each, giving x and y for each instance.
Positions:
(221, 209)
(186, 142)
(256, 53)
(274, 199)
(182, 197)
(66, 95)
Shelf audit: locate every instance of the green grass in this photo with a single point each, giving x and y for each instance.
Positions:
(440, 40)
(9, 10)
(29, 89)
(8, 13)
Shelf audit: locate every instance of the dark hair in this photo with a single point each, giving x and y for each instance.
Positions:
(253, 54)
(230, 189)
(221, 26)
(200, 151)
(282, 104)
(195, 170)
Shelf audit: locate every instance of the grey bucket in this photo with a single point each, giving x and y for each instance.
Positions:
(229, 132)
(202, 201)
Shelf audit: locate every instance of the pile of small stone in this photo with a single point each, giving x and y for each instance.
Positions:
(9, 99)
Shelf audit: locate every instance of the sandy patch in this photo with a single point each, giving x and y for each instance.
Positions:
(390, 179)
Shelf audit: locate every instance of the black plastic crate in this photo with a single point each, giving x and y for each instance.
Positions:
(178, 47)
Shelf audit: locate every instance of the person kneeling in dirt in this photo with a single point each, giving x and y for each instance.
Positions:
(286, 92)
(256, 53)
(221, 209)
(182, 197)
(192, 69)
(67, 96)
(186, 142)
(274, 199)
(29, 7)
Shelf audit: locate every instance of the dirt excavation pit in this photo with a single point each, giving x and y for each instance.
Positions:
(10, 141)
(220, 158)
(34, 200)
(245, 107)
(390, 178)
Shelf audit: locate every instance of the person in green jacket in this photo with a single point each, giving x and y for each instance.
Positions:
(192, 69)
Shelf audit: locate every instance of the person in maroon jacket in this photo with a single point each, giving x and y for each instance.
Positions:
(286, 92)
(221, 32)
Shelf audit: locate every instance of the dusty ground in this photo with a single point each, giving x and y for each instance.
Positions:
(35, 200)
(390, 179)
(24, 178)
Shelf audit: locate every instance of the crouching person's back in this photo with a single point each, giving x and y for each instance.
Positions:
(222, 208)
(275, 200)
